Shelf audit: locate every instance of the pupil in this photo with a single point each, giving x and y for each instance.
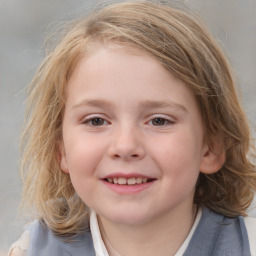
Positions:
(97, 121)
(158, 121)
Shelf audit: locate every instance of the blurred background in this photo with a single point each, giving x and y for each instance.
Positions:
(23, 28)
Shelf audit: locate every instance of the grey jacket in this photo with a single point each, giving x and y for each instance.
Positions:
(215, 235)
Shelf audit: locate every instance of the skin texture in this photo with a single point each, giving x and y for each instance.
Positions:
(127, 116)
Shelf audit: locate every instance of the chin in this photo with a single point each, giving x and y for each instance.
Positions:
(130, 218)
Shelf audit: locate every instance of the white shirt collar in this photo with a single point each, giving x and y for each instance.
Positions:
(100, 248)
(184, 246)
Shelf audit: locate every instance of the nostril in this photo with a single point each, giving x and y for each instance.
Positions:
(126, 156)
(126, 152)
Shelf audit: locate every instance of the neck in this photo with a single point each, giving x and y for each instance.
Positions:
(144, 239)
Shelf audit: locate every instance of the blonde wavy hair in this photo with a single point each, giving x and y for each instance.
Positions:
(181, 42)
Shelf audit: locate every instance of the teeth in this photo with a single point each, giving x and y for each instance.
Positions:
(121, 181)
(130, 181)
(139, 180)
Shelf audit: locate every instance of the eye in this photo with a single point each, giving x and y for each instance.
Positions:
(159, 121)
(97, 121)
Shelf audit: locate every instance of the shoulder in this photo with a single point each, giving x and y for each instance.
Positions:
(20, 247)
(229, 235)
(23, 244)
(250, 224)
(39, 240)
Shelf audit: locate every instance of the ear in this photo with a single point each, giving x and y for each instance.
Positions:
(213, 158)
(62, 158)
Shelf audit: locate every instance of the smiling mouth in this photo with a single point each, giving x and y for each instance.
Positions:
(129, 181)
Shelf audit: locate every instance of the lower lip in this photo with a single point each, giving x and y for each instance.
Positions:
(128, 189)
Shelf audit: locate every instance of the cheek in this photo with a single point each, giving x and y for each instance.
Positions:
(82, 161)
(83, 155)
(179, 154)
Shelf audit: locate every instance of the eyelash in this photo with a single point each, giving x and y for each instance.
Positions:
(160, 121)
(90, 121)
(165, 120)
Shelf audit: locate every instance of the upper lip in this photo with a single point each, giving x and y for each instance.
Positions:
(126, 175)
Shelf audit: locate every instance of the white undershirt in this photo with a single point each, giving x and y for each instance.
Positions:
(100, 248)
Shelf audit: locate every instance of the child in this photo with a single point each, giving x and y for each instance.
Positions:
(136, 143)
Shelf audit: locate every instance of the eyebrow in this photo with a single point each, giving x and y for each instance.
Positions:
(93, 103)
(144, 104)
(163, 104)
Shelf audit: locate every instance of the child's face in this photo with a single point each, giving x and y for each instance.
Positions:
(127, 119)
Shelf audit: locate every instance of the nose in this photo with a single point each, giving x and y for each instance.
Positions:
(127, 144)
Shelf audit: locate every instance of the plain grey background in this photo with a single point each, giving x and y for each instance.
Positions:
(23, 27)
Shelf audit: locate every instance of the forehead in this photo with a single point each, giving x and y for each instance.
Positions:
(104, 61)
(125, 75)
(98, 56)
